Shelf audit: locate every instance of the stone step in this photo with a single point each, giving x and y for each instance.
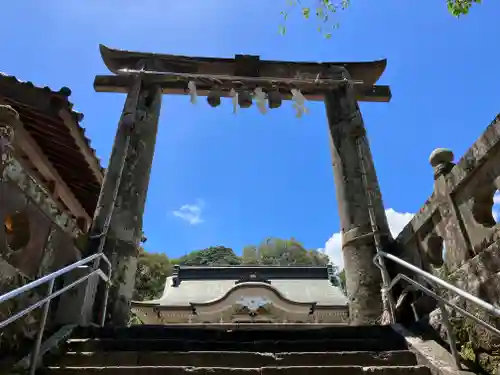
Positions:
(235, 359)
(271, 346)
(237, 332)
(172, 370)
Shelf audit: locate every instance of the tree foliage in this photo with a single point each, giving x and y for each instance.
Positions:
(460, 7)
(212, 256)
(275, 251)
(153, 269)
(341, 277)
(325, 10)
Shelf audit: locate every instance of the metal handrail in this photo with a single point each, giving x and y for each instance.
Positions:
(45, 302)
(442, 302)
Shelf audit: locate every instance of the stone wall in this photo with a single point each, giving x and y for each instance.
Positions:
(455, 234)
(37, 237)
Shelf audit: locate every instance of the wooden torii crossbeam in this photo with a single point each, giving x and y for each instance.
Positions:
(171, 73)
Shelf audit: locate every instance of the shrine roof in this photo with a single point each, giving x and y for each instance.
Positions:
(49, 118)
(318, 291)
(198, 285)
(239, 272)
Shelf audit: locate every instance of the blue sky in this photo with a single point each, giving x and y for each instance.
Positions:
(241, 178)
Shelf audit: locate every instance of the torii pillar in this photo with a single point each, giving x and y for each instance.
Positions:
(123, 195)
(347, 134)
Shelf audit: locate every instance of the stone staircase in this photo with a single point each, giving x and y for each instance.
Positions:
(170, 350)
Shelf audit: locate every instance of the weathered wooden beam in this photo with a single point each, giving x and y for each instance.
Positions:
(121, 84)
(45, 125)
(89, 156)
(115, 60)
(38, 107)
(31, 148)
(374, 94)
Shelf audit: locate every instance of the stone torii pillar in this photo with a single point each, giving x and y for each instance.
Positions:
(363, 278)
(119, 215)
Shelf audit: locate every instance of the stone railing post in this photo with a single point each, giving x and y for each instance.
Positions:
(441, 160)
(454, 235)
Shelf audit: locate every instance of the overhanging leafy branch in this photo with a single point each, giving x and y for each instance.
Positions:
(324, 12)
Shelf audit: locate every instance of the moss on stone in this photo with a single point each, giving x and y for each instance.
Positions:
(467, 352)
(487, 360)
(460, 328)
(16, 335)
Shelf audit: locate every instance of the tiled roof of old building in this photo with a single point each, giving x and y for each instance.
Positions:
(321, 292)
(201, 285)
(49, 118)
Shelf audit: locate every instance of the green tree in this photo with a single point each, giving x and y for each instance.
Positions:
(276, 251)
(341, 276)
(152, 272)
(325, 10)
(250, 255)
(212, 256)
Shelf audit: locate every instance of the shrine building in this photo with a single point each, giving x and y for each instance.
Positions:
(247, 294)
(50, 179)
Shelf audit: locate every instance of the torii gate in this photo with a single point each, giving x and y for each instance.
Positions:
(146, 76)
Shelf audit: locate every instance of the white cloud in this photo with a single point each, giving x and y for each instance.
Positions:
(397, 220)
(190, 212)
(333, 247)
(496, 206)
